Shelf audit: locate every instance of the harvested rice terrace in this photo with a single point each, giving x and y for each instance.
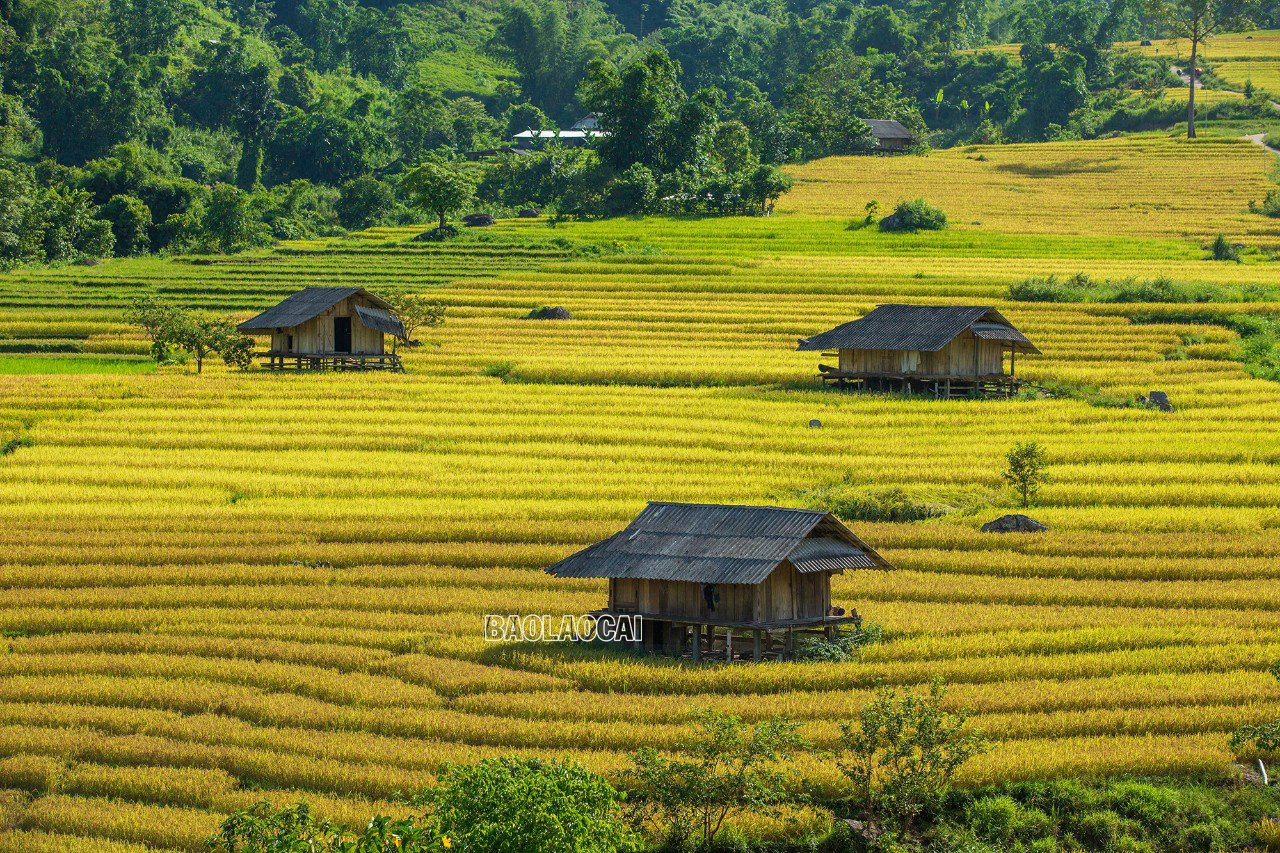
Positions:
(224, 587)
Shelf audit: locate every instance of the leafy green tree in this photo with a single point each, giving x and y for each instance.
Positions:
(765, 185)
(70, 227)
(202, 336)
(19, 199)
(525, 116)
(633, 191)
(86, 96)
(527, 805)
(731, 145)
(169, 327)
(438, 188)
(1198, 21)
(1056, 86)
(882, 28)
(233, 89)
(826, 107)
(902, 752)
(1026, 470)
(636, 106)
(416, 312)
(364, 202)
(152, 26)
(157, 320)
(230, 223)
(423, 121)
(256, 116)
(328, 145)
(551, 43)
(723, 766)
(19, 132)
(324, 26)
(380, 44)
(130, 224)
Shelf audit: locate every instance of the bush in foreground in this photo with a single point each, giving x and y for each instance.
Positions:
(498, 805)
(526, 805)
(914, 215)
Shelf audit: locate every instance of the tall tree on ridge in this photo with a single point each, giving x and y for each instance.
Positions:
(1197, 21)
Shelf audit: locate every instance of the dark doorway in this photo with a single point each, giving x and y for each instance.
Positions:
(342, 334)
(288, 346)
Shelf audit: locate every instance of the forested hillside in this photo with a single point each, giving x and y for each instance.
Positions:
(133, 126)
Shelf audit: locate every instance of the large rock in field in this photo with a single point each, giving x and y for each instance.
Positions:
(478, 220)
(559, 312)
(1014, 523)
(1159, 400)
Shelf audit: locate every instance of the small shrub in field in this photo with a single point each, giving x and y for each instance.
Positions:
(1223, 250)
(526, 805)
(914, 215)
(1026, 471)
(724, 767)
(902, 751)
(499, 369)
(1269, 206)
(890, 504)
(262, 827)
(844, 648)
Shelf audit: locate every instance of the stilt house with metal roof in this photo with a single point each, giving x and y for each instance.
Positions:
(947, 351)
(890, 135)
(329, 328)
(725, 581)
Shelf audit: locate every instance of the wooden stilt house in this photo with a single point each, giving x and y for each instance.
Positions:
(329, 328)
(728, 581)
(947, 351)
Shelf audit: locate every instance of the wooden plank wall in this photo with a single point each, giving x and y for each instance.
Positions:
(785, 594)
(316, 335)
(955, 360)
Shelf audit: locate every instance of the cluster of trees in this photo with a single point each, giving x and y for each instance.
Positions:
(898, 755)
(136, 126)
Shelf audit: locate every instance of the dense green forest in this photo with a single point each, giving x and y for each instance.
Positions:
(133, 126)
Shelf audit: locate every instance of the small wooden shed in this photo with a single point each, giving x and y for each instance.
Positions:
(329, 328)
(890, 134)
(946, 350)
(698, 573)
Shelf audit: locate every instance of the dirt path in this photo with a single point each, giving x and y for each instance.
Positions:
(1185, 77)
(1259, 139)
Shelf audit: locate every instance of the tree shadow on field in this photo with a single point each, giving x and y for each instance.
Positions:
(1075, 166)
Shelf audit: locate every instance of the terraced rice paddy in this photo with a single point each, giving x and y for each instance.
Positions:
(1235, 57)
(221, 587)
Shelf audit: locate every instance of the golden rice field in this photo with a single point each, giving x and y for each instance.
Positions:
(1235, 57)
(1151, 185)
(222, 587)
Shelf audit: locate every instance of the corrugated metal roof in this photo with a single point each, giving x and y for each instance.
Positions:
(714, 543)
(828, 554)
(305, 305)
(888, 129)
(1005, 334)
(381, 321)
(920, 328)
